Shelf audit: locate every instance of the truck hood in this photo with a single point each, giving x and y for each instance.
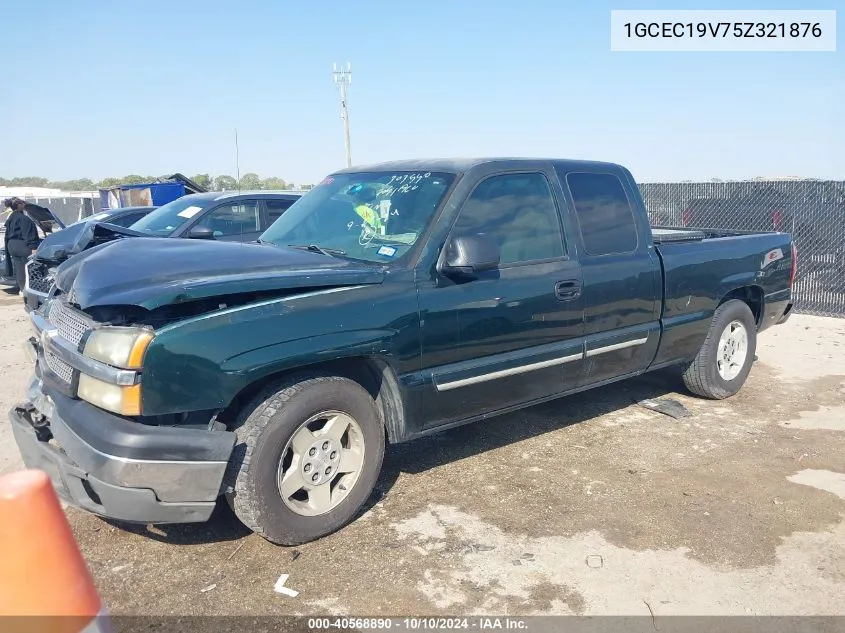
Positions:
(59, 246)
(156, 271)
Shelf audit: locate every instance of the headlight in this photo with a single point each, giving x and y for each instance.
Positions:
(118, 346)
(120, 400)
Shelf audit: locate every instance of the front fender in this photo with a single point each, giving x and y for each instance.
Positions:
(251, 366)
(201, 363)
(176, 380)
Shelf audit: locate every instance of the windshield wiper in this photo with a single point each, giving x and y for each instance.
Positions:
(329, 252)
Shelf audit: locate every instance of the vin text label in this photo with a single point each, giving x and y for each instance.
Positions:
(722, 30)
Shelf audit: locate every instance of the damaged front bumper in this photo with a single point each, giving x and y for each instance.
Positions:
(118, 468)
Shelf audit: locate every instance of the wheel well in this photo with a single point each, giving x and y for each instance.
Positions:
(753, 296)
(375, 375)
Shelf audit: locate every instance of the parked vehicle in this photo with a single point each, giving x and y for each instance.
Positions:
(235, 216)
(59, 245)
(228, 216)
(389, 302)
(47, 223)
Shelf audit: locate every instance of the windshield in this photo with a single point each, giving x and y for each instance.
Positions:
(97, 217)
(375, 216)
(169, 217)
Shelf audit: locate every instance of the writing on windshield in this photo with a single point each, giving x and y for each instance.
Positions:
(373, 216)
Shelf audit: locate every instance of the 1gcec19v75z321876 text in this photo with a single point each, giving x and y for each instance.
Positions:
(723, 29)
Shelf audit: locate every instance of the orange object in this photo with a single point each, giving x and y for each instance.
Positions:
(44, 580)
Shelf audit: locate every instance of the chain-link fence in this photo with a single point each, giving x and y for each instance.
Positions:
(813, 211)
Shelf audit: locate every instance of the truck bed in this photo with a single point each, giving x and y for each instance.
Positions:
(701, 266)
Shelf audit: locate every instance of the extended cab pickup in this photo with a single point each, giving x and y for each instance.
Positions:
(389, 302)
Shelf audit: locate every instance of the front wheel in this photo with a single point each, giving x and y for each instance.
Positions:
(308, 454)
(724, 361)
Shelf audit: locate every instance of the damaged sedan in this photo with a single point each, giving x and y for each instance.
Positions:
(239, 216)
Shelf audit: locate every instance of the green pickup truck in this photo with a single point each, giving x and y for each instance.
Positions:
(390, 302)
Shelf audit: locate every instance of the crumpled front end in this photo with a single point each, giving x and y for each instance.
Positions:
(109, 464)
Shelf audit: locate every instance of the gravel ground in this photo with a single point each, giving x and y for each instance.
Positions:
(588, 505)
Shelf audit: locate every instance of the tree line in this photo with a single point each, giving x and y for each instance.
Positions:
(223, 182)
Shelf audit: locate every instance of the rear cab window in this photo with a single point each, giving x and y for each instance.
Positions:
(605, 215)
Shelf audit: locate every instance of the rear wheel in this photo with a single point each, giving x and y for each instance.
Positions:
(724, 361)
(308, 454)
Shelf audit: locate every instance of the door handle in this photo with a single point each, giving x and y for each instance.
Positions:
(569, 289)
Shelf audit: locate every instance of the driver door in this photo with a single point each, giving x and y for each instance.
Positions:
(508, 336)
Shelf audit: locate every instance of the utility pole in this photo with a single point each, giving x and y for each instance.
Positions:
(342, 78)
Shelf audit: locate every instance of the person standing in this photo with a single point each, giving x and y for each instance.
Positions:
(9, 272)
(21, 240)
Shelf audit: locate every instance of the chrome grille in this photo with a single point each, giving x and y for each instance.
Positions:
(37, 276)
(70, 324)
(59, 367)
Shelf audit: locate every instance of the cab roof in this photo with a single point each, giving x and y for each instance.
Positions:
(287, 194)
(463, 165)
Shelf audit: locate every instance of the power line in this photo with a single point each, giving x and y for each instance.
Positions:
(343, 78)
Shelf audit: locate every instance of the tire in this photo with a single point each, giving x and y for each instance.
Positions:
(265, 430)
(703, 376)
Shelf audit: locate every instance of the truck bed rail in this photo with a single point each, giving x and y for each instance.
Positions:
(668, 234)
(664, 235)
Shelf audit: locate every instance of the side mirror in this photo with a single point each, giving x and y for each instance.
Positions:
(201, 233)
(467, 255)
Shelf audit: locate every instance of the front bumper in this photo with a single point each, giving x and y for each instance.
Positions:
(118, 468)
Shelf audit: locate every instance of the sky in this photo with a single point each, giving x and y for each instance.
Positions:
(96, 89)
